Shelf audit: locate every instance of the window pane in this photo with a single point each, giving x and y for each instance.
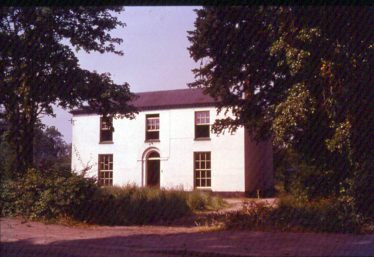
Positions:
(202, 117)
(106, 135)
(106, 130)
(153, 123)
(202, 169)
(105, 169)
(152, 135)
(152, 126)
(202, 131)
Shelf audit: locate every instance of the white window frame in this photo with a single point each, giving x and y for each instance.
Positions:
(202, 169)
(202, 118)
(105, 170)
(153, 124)
(105, 127)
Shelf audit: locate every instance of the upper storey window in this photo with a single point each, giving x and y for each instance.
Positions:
(202, 124)
(106, 129)
(152, 127)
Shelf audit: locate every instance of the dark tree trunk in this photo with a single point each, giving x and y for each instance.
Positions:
(28, 146)
(20, 137)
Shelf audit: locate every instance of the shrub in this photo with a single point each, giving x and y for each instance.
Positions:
(200, 201)
(52, 195)
(45, 195)
(328, 215)
(132, 205)
(314, 183)
(362, 190)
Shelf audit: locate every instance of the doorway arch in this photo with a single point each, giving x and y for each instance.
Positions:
(152, 169)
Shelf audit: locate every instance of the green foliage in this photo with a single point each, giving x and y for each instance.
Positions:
(201, 201)
(314, 183)
(292, 114)
(232, 45)
(296, 176)
(55, 194)
(50, 152)
(361, 188)
(6, 158)
(39, 69)
(48, 195)
(306, 84)
(292, 214)
(132, 205)
(325, 215)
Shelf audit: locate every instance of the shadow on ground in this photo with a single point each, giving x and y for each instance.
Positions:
(223, 243)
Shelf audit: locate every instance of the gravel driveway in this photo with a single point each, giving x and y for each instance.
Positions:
(29, 239)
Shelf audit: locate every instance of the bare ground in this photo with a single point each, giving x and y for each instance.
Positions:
(23, 238)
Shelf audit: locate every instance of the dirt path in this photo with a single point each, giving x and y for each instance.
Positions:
(37, 239)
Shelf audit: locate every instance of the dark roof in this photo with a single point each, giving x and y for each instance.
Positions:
(180, 98)
(167, 99)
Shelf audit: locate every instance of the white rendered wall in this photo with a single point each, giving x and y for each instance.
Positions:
(176, 148)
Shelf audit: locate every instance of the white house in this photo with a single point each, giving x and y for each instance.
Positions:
(170, 145)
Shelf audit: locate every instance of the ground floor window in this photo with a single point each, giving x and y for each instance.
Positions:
(105, 170)
(202, 170)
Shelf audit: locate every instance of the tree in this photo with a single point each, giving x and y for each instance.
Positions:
(50, 149)
(301, 75)
(50, 152)
(38, 69)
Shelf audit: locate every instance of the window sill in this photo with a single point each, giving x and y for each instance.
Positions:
(152, 140)
(106, 142)
(207, 189)
(202, 139)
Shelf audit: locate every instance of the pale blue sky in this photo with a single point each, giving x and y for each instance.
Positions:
(155, 54)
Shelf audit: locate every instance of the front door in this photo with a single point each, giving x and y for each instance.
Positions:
(153, 170)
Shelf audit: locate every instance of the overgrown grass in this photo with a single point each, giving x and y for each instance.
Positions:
(291, 214)
(52, 197)
(133, 205)
(204, 201)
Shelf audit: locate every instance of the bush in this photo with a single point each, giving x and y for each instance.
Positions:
(45, 195)
(329, 215)
(314, 183)
(326, 215)
(362, 190)
(200, 201)
(132, 205)
(54, 194)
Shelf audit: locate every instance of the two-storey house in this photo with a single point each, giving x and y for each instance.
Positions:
(170, 145)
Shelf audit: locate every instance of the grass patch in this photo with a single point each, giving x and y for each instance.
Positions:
(131, 205)
(291, 214)
(52, 197)
(204, 201)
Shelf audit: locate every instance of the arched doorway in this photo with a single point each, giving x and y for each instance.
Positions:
(153, 169)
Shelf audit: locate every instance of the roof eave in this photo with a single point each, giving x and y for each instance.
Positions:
(151, 108)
